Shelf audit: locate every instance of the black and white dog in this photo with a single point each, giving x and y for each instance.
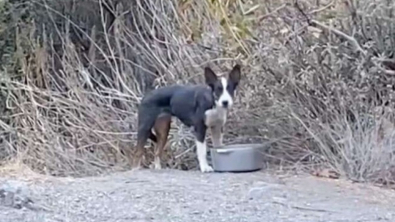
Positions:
(198, 106)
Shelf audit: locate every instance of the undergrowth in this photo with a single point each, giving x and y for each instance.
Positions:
(317, 79)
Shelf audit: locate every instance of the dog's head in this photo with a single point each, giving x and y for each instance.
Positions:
(224, 87)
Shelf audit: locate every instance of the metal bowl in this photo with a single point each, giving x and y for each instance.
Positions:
(237, 157)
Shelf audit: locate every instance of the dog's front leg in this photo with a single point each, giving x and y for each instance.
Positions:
(217, 135)
(201, 147)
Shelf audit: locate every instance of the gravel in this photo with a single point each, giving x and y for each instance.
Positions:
(188, 196)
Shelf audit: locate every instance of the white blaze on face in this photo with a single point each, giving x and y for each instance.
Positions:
(225, 96)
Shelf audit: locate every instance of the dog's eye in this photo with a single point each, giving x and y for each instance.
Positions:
(220, 88)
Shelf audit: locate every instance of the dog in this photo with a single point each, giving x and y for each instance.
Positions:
(198, 106)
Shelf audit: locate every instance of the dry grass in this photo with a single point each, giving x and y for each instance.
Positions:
(317, 93)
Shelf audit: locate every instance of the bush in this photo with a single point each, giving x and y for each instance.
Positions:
(317, 79)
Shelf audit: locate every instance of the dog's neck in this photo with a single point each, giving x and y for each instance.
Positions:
(220, 109)
(216, 116)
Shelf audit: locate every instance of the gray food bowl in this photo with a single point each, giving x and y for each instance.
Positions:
(237, 157)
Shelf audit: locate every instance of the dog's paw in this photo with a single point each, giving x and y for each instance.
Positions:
(157, 163)
(157, 166)
(137, 165)
(206, 169)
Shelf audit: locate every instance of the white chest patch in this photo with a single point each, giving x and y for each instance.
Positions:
(215, 117)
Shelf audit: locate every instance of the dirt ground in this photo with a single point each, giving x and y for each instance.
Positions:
(172, 195)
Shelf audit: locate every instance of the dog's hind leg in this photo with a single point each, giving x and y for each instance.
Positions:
(161, 129)
(141, 140)
(146, 121)
(153, 137)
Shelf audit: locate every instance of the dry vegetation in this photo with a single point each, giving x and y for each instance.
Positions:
(317, 79)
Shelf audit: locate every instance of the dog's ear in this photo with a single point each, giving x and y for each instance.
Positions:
(210, 77)
(235, 74)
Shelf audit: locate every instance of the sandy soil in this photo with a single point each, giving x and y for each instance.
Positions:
(171, 195)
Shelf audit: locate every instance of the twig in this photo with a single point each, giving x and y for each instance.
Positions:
(303, 208)
(337, 32)
(323, 8)
(302, 12)
(272, 12)
(351, 39)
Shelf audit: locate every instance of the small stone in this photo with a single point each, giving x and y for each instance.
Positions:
(14, 194)
(257, 192)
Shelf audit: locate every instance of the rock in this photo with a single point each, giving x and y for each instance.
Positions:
(259, 190)
(14, 194)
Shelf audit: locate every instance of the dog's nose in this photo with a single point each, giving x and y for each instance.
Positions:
(225, 104)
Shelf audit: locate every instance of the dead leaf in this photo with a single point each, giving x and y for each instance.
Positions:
(327, 173)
